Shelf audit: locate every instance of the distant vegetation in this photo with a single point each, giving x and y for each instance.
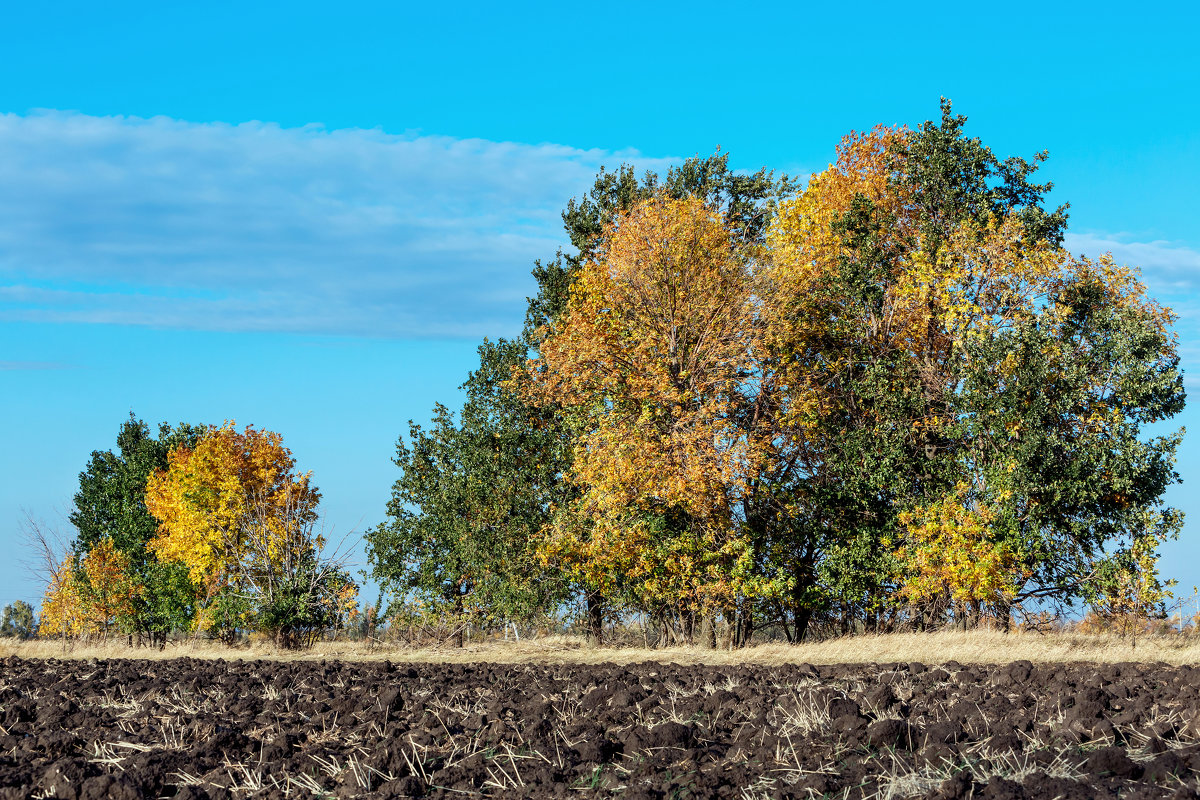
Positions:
(886, 399)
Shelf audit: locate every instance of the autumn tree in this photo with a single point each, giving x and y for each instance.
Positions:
(92, 595)
(1127, 588)
(928, 320)
(108, 586)
(532, 445)
(235, 512)
(64, 612)
(746, 203)
(1054, 411)
(655, 358)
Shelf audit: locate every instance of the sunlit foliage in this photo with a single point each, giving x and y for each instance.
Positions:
(888, 398)
(235, 491)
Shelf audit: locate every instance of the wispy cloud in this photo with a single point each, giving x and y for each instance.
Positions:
(1169, 268)
(1171, 272)
(256, 227)
(32, 365)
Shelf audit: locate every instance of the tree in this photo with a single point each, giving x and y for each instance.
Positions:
(64, 612)
(18, 620)
(107, 587)
(111, 506)
(210, 499)
(654, 355)
(235, 513)
(1055, 407)
(1126, 587)
(281, 573)
(746, 202)
(941, 348)
(468, 505)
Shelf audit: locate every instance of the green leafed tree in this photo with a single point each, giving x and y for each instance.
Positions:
(111, 504)
(469, 502)
(18, 620)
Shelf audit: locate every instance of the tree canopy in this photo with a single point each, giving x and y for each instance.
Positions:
(887, 397)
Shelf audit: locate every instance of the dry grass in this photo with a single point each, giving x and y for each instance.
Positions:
(976, 647)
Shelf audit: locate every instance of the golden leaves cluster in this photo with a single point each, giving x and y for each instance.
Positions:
(90, 595)
(655, 343)
(951, 551)
(211, 499)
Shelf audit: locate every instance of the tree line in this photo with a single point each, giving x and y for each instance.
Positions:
(884, 398)
(887, 398)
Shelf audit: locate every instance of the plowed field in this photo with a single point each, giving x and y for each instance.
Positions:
(201, 728)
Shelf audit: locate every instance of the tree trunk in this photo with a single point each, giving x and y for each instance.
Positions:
(664, 630)
(458, 620)
(745, 625)
(783, 623)
(595, 618)
(803, 615)
(1004, 615)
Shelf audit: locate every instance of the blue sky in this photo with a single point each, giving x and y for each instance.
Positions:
(305, 216)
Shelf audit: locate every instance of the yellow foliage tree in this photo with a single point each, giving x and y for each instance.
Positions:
(654, 355)
(64, 612)
(955, 558)
(235, 490)
(89, 596)
(108, 587)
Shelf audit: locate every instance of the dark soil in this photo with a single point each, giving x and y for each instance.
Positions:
(222, 729)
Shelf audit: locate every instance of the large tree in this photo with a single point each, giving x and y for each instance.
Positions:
(947, 364)
(654, 358)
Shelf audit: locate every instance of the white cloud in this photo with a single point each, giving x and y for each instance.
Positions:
(32, 365)
(1168, 268)
(1171, 272)
(256, 227)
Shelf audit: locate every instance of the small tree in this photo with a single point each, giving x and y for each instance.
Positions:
(64, 612)
(110, 506)
(294, 590)
(108, 588)
(18, 620)
(1126, 589)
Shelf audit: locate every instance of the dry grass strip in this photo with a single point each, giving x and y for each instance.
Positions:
(974, 647)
